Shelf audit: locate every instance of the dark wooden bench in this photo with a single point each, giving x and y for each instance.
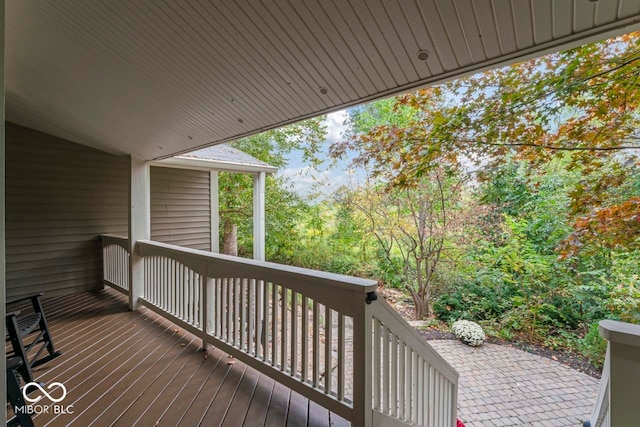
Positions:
(31, 327)
(14, 394)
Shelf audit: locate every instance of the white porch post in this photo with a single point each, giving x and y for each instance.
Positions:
(3, 367)
(362, 362)
(258, 216)
(139, 225)
(215, 211)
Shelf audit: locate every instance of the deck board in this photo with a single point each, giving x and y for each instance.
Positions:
(278, 406)
(147, 397)
(318, 416)
(175, 405)
(257, 413)
(142, 392)
(298, 410)
(220, 405)
(205, 396)
(126, 368)
(337, 421)
(242, 399)
(102, 387)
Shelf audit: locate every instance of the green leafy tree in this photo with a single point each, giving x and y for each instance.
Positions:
(283, 207)
(581, 104)
(416, 229)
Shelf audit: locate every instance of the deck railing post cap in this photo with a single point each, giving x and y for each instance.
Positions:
(620, 332)
(371, 297)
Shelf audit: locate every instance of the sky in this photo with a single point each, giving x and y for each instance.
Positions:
(306, 181)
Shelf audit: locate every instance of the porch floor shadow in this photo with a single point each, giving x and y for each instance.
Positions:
(126, 368)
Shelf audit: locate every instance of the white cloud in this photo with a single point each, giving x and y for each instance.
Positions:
(335, 126)
(307, 181)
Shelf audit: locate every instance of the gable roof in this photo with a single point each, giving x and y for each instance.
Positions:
(227, 154)
(219, 157)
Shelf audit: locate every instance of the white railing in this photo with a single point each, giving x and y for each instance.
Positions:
(617, 402)
(294, 325)
(411, 381)
(320, 334)
(115, 258)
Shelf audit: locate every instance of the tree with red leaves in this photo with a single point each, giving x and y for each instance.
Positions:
(581, 104)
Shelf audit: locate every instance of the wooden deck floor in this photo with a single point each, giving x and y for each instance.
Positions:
(127, 368)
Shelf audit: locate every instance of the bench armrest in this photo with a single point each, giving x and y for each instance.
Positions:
(30, 297)
(14, 313)
(13, 363)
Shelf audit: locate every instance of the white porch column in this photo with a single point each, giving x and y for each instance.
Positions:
(215, 211)
(362, 362)
(139, 225)
(258, 216)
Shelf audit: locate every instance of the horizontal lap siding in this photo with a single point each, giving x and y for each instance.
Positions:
(60, 197)
(180, 207)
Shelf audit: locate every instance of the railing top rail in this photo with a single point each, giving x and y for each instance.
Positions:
(320, 277)
(620, 332)
(114, 239)
(115, 236)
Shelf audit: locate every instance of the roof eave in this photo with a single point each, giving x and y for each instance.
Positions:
(183, 162)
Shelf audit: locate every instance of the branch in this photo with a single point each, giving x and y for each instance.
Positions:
(524, 102)
(236, 211)
(541, 146)
(555, 147)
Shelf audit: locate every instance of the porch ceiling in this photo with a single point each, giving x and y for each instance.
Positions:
(158, 79)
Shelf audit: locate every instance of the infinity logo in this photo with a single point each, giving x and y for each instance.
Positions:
(44, 392)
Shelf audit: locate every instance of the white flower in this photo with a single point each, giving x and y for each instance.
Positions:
(469, 332)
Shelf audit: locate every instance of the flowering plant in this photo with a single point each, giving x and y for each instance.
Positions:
(469, 332)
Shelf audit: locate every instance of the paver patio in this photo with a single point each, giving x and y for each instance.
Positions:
(504, 386)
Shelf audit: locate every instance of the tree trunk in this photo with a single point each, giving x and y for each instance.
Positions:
(230, 239)
(427, 299)
(420, 306)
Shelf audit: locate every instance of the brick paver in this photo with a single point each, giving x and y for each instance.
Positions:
(503, 386)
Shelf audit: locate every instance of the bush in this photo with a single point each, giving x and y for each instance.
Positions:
(468, 332)
(593, 346)
(480, 299)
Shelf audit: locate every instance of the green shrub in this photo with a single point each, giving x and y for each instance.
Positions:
(475, 300)
(593, 346)
(389, 271)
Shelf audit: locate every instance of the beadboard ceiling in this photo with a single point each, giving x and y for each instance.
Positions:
(159, 78)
